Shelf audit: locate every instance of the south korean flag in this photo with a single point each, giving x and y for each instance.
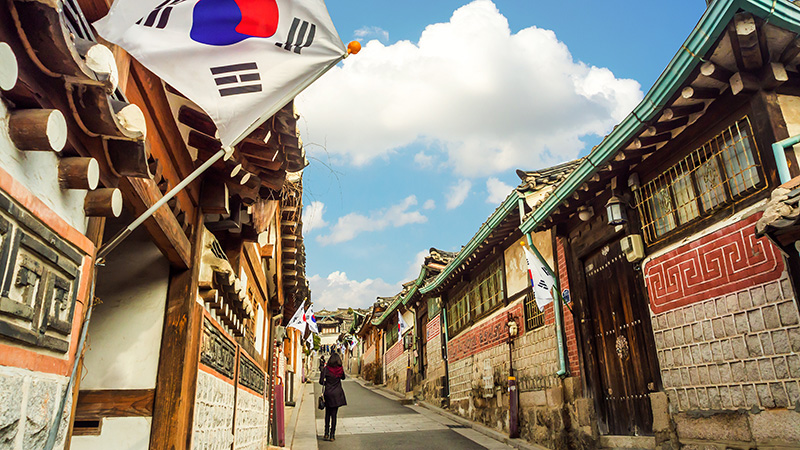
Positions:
(541, 278)
(239, 60)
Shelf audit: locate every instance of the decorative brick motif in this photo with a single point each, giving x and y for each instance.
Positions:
(250, 375)
(217, 351)
(728, 260)
(484, 335)
(393, 352)
(433, 329)
(735, 351)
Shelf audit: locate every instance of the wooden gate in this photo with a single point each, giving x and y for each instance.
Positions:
(621, 333)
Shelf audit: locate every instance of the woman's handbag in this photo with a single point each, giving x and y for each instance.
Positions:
(321, 400)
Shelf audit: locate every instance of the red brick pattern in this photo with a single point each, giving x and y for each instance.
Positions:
(728, 260)
(485, 335)
(394, 351)
(433, 329)
(569, 324)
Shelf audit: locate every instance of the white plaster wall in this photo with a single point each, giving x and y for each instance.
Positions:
(517, 265)
(790, 106)
(38, 172)
(125, 331)
(118, 433)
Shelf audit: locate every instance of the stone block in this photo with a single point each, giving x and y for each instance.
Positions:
(773, 291)
(731, 303)
(788, 313)
(741, 323)
(714, 398)
(585, 409)
(793, 361)
(687, 334)
(691, 394)
(724, 398)
(683, 400)
(750, 396)
(737, 396)
(739, 348)
(685, 380)
(10, 407)
(793, 393)
(744, 300)
(725, 375)
(677, 357)
(705, 352)
(766, 369)
(555, 396)
(753, 345)
(687, 355)
(721, 306)
(780, 342)
(659, 404)
(702, 398)
(781, 368)
(765, 395)
(775, 426)
(702, 374)
(718, 327)
(679, 317)
(738, 371)
(794, 339)
(771, 319)
(699, 314)
(766, 343)
(696, 357)
(753, 372)
(669, 339)
(694, 375)
(719, 427)
(779, 395)
(42, 398)
(710, 309)
(756, 320)
(708, 332)
(713, 374)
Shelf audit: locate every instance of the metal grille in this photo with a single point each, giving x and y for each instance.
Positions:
(534, 317)
(477, 298)
(721, 171)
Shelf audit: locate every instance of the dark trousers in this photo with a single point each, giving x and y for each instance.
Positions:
(330, 420)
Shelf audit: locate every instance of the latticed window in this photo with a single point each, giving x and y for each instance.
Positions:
(534, 317)
(721, 171)
(434, 306)
(479, 297)
(391, 334)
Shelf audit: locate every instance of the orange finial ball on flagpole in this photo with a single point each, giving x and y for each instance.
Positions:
(353, 47)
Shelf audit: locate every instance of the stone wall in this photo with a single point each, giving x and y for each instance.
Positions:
(728, 353)
(213, 412)
(432, 384)
(251, 421)
(396, 367)
(536, 359)
(28, 402)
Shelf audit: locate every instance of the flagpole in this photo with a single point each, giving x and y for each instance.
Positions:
(559, 319)
(113, 243)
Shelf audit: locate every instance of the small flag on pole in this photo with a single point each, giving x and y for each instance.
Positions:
(541, 279)
(240, 61)
(311, 320)
(298, 319)
(402, 326)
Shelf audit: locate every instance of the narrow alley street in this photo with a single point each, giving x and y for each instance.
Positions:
(375, 420)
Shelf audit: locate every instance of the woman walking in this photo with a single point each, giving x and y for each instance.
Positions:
(331, 380)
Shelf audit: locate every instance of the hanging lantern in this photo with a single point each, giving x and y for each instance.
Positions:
(616, 211)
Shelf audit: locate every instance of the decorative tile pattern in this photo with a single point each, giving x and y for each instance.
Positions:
(724, 261)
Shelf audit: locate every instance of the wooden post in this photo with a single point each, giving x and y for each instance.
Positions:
(78, 173)
(103, 203)
(8, 67)
(38, 129)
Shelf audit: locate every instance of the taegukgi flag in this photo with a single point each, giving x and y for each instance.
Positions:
(239, 60)
(311, 320)
(402, 326)
(541, 279)
(298, 319)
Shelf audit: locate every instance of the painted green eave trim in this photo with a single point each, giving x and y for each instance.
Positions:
(713, 23)
(508, 206)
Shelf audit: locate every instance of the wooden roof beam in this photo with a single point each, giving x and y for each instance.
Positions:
(674, 112)
(746, 38)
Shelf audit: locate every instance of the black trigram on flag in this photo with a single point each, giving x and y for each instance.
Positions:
(237, 79)
(542, 284)
(299, 39)
(160, 13)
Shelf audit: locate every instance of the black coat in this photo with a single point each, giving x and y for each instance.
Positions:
(334, 394)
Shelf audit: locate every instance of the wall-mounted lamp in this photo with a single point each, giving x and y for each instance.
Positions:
(512, 326)
(585, 213)
(616, 211)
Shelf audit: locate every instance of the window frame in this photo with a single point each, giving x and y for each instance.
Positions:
(462, 309)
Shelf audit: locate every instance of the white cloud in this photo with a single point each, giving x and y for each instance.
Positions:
(498, 191)
(429, 204)
(372, 32)
(353, 224)
(487, 100)
(338, 291)
(423, 160)
(312, 216)
(416, 265)
(458, 193)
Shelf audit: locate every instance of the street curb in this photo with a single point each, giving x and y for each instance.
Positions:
(486, 431)
(289, 436)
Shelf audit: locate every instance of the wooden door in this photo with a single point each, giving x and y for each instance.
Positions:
(423, 348)
(621, 333)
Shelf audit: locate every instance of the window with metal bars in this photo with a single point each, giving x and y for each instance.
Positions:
(534, 317)
(725, 169)
(391, 333)
(478, 298)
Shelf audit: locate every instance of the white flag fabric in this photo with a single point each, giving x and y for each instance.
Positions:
(311, 320)
(402, 326)
(297, 321)
(239, 60)
(541, 279)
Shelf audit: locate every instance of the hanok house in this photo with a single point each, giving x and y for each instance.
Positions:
(180, 350)
(397, 349)
(428, 368)
(371, 341)
(688, 322)
(483, 290)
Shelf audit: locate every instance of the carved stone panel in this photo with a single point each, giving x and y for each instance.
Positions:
(39, 275)
(250, 375)
(217, 351)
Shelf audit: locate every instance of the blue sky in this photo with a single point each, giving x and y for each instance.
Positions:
(414, 141)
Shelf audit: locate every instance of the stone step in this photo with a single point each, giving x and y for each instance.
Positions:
(628, 442)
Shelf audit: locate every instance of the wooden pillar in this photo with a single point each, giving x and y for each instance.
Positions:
(176, 382)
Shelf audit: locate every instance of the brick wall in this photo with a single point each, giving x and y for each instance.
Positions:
(394, 352)
(569, 324)
(536, 359)
(213, 412)
(396, 369)
(251, 421)
(487, 333)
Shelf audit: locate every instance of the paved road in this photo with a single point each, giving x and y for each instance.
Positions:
(372, 421)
